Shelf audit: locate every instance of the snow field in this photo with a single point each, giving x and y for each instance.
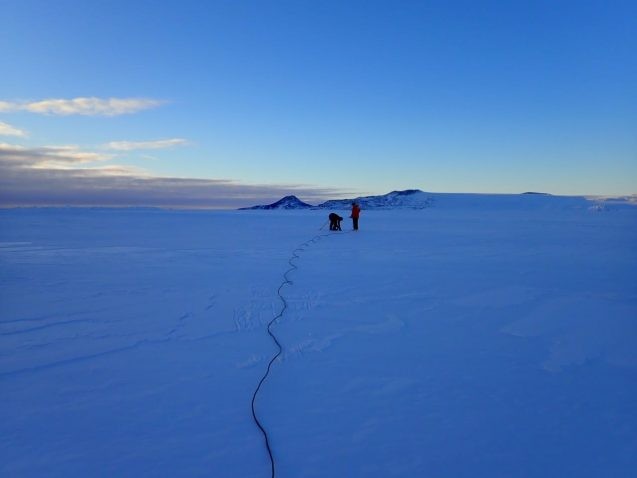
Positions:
(463, 340)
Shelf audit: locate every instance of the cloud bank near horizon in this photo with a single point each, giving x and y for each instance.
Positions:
(60, 176)
(69, 175)
(85, 106)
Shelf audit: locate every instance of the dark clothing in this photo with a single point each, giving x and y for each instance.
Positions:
(335, 222)
(356, 212)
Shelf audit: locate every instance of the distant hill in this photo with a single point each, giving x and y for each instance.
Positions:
(408, 199)
(288, 202)
(417, 199)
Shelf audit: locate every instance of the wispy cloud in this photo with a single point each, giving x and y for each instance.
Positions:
(7, 130)
(86, 106)
(65, 175)
(135, 145)
(56, 157)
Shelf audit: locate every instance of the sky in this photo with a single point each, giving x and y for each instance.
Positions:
(233, 103)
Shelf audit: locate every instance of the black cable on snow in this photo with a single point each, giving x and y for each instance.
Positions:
(286, 280)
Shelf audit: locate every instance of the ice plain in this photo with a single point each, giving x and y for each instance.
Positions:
(481, 337)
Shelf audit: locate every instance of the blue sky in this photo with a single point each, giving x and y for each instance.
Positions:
(322, 99)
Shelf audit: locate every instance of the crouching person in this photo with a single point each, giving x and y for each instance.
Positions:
(335, 222)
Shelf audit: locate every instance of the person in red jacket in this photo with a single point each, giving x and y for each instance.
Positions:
(356, 212)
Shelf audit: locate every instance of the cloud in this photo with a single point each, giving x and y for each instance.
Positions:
(7, 130)
(56, 157)
(56, 176)
(134, 145)
(90, 106)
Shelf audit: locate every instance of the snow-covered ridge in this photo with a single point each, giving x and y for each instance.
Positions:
(630, 199)
(417, 199)
(408, 199)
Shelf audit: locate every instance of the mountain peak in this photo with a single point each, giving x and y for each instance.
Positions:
(287, 202)
(290, 198)
(406, 192)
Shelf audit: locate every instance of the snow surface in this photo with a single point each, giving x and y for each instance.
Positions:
(470, 339)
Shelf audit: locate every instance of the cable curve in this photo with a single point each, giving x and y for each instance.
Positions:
(286, 280)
